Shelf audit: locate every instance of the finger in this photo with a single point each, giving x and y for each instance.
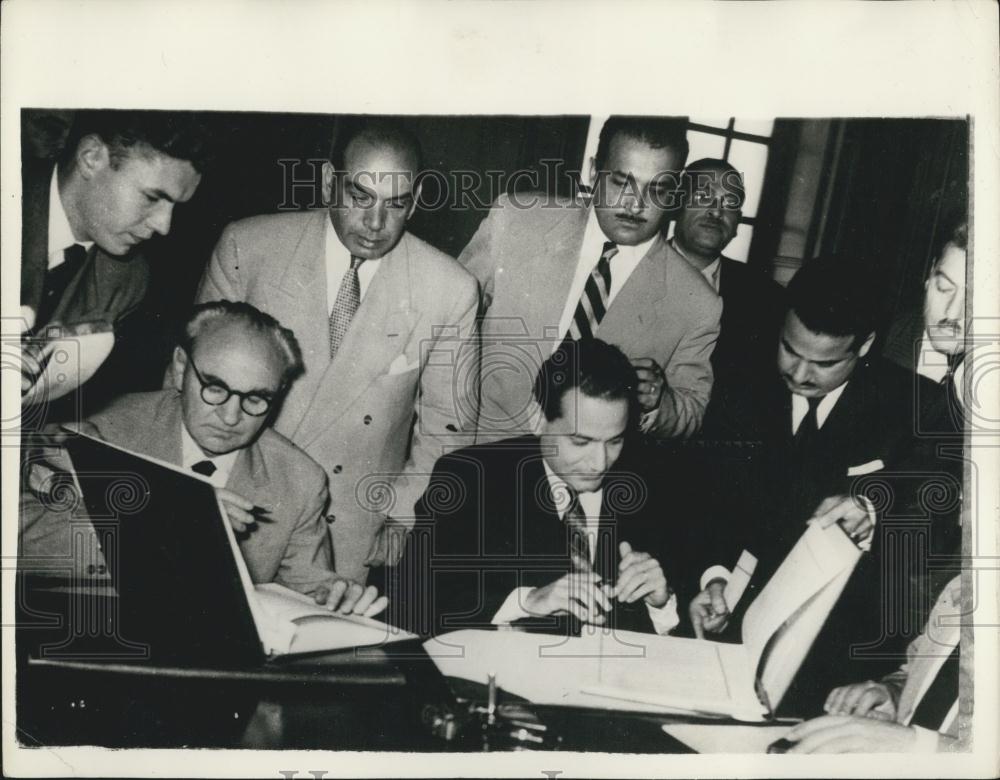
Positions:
(238, 519)
(600, 597)
(378, 606)
(643, 363)
(368, 596)
(834, 703)
(834, 512)
(810, 727)
(635, 575)
(645, 589)
(334, 593)
(714, 625)
(719, 605)
(229, 497)
(579, 611)
(832, 741)
(852, 695)
(351, 596)
(649, 575)
(580, 564)
(624, 548)
(869, 700)
(699, 633)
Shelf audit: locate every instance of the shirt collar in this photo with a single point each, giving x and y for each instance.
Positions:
(931, 363)
(191, 453)
(800, 406)
(561, 493)
(60, 232)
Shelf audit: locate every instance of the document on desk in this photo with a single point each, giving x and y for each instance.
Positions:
(293, 623)
(625, 670)
(726, 737)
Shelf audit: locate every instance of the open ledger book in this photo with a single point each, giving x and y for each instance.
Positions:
(285, 621)
(644, 672)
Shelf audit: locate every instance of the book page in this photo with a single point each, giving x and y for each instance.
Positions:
(726, 737)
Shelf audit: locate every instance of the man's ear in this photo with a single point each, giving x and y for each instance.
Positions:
(416, 199)
(92, 156)
(178, 365)
(867, 345)
(593, 172)
(329, 174)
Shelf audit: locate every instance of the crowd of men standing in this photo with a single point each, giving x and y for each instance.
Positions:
(579, 419)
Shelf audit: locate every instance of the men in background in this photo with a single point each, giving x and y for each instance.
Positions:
(837, 428)
(712, 195)
(913, 710)
(552, 530)
(387, 327)
(551, 269)
(116, 184)
(231, 369)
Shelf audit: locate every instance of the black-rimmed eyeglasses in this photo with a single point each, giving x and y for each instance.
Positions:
(216, 393)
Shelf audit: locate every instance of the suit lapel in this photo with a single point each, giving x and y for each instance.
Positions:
(166, 445)
(558, 254)
(634, 307)
(35, 182)
(380, 331)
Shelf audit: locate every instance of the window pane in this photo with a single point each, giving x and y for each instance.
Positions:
(719, 121)
(739, 247)
(704, 145)
(749, 159)
(755, 126)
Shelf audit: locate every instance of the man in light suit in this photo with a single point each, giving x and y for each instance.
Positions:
(551, 268)
(387, 327)
(753, 304)
(231, 369)
(116, 184)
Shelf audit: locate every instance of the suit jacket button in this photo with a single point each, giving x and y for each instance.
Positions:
(337, 469)
(451, 427)
(368, 419)
(91, 568)
(102, 569)
(330, 519)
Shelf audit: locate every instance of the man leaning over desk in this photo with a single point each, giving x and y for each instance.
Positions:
(230, 371)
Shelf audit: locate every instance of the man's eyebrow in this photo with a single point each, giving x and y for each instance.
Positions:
(940, 272)
(788, 347)
(160, 194)
(214, 380)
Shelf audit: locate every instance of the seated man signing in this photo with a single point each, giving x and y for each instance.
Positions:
(230, 371)
(543, 530)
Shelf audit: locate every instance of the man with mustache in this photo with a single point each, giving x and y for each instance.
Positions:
(552, 269)
(712, 195)
(838, 427)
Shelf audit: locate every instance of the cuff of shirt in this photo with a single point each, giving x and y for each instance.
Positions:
(512, 608)
(866, 544)
(927, 740)
(664, 618)
(714, 573)
(647, 420)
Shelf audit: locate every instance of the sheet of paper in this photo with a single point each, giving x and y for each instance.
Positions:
(726, 737)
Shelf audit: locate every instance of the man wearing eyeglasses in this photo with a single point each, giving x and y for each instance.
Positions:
(232, 367)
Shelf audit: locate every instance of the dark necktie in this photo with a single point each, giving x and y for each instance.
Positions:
(345, 306)
(57, 280)
(940, 697)
(809, 426)
(579, 544)
(594, 301)
(204, 467)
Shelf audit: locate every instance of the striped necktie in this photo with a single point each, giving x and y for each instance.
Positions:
(594, 301)
(345, 306)
(579, 543)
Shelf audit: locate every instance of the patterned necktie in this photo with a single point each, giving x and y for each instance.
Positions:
(57, 280)
(594, 301)
(347, 303)
(204, 467)
(579, 543)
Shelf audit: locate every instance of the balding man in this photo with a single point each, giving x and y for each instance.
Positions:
(387, 326)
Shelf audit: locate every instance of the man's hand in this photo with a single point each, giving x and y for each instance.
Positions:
(238, 509)
(389, 543)
(578, 593)
(708, 610)
(652, 383)
(640, 576)
(346, 597)
(861, 699)
(850, 512)
(847, 734)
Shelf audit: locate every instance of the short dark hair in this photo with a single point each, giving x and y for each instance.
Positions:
(833, 296)
(377, 131)
(732, 179)
(655, 131)
(599, 369)
(182, 135)
(251, 318)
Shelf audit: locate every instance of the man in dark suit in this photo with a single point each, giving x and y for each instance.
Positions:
(388, 331)
(116, 184)
(838, 445)
(552, 268)
(712, 194)
(547, 531)
(231, 369)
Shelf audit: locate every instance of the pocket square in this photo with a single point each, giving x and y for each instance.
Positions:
(401, 366)
(866, 468)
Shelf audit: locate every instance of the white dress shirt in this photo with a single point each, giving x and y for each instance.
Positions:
(664, 618)
(622, 266)
(338, 262)
(191, 453)
(60, 233)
